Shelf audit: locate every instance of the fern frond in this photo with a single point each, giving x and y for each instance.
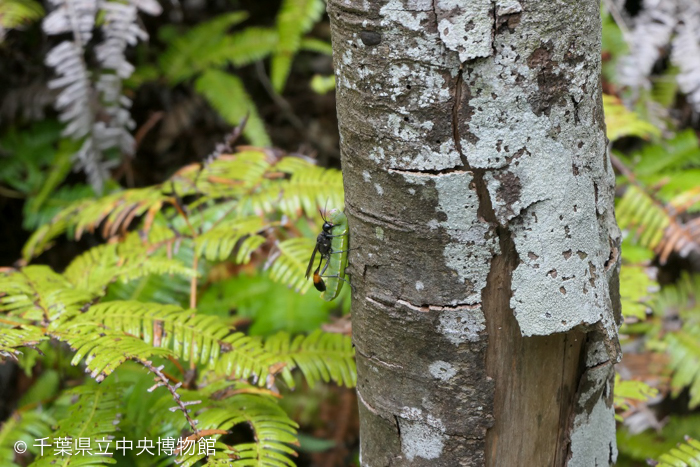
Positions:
(221, 406)
(244, 357)
(217, 244)
(273, 429)
(630, 391)
(249, 46)
(11, 338)
(38, 294)
(295, 18)
(686, 55)
(165, 289)
(17, 13)
(677, 153)
(308, 187)
(652, 32)
(316, 45)
(684, 455)
(104, 350)
(94, 415)
(24, 426)
(622, 122)
(290, 261)
(655, 226)
(200, 48)
(197, 338)
(635, 291)
(226, 93)
(95, 269)
(320, 356)
(116, 210)
(683, 348)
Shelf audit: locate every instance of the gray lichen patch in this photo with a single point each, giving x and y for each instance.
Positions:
(466, 27)
(442, 370)
(462, 326)
(552, 235)
(593, 430)
(420, 437)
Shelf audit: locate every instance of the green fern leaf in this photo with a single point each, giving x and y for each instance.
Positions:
(12, 338)
(23, 426)
(316, 45)
(684, 351)
(635, 290)
(641, 214)
(95, 269)
(308, 187)
(274, 430)
(684, 455)
(630, 390)
(16, 13)
(245, 357)
(38, 294)
(295, 18)
(320, 356)
(249, 46)
(94, 415)
(199, 49)
(105, 350)
(223, 405)
(226, 93)
(290, 261)
(218, 243)
(674, 154)
(197, 338)
(621, 122)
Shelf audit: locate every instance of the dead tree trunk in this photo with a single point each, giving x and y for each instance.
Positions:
(480, 200)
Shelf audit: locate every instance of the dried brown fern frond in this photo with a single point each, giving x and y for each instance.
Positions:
(659, 226)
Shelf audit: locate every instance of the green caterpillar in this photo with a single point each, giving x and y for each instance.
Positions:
(338, 257)
(332, 243)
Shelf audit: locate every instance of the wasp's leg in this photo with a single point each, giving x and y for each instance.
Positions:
(342, 279)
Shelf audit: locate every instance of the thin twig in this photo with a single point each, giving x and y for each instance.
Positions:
(281, 102)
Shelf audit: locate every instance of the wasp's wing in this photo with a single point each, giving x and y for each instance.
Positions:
(311, 261)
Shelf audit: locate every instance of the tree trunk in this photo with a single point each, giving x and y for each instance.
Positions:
(480, 201)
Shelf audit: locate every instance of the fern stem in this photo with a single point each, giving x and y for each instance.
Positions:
(193, 283)
(163, 381)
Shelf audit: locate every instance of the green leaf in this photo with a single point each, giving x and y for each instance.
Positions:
(226, 93)
(686, 454)
(16, 13)
(199, 49)
(622, 122)
(272, 307)
(92, 412)
(323, 84)
(295, 18)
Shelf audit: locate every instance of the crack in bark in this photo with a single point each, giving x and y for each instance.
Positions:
(427, 308)
(485, 210)
(390, 222)
(376, 360)
(369, 407)
(426, 172)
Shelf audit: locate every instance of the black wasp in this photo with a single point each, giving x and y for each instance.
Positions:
(323, 246)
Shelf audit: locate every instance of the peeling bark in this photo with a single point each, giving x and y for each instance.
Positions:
(480, 201)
